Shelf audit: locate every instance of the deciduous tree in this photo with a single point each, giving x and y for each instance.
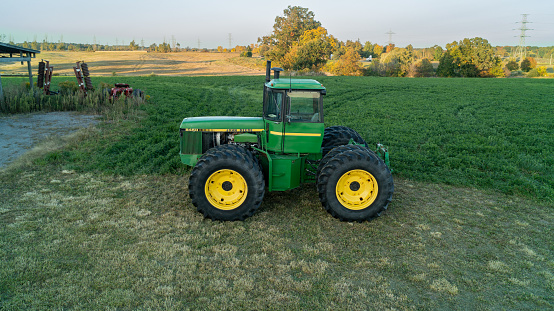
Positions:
(468, 58)
(287, 30)
(348, 64)
(312, 50)
(512, 65)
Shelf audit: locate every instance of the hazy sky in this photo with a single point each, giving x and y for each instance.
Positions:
(421, 23)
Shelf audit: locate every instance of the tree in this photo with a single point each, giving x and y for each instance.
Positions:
(348, 64)
(367, 50)
(525, 65)
(437, 52)
(377, 50)
(512, 65)
(247, 52)
(468, 58)
(447, 67)
(528, 64)
(287, 30)
(312, 50)
(422, 68)
(133, 46)
(398, 61)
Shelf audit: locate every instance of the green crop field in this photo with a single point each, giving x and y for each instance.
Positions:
(102, 219)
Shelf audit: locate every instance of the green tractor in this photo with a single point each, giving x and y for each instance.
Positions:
(236, 159)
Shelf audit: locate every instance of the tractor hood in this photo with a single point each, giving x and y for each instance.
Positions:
(223, 124)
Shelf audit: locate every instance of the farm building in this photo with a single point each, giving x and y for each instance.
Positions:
(13, 53)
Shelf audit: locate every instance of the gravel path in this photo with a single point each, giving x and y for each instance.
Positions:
(19, 133)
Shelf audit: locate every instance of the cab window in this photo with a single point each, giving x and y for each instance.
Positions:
(304, 106)
(274, 103)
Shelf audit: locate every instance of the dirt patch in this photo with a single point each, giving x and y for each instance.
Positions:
(20, 133)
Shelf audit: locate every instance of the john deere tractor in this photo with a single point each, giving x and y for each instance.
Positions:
(237, 159)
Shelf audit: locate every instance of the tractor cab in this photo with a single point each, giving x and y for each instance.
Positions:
(293, 115)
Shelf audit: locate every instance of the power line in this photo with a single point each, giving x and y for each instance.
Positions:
(390, 33)
(521, 50)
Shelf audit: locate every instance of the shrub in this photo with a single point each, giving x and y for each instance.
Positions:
(512, 65)
(533, 73)
(422, 68)
(68, 87)
(528, 64)
(542, 71)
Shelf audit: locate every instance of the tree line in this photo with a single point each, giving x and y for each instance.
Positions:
(300, 43)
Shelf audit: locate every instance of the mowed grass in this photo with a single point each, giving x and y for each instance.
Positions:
(91, 241)
(102, 220)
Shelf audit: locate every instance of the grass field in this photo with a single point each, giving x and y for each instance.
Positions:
(102, 219)
(137, 63)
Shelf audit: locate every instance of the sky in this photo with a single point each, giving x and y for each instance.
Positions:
(422, 23)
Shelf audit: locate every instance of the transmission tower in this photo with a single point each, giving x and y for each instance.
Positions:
(230, 41)
(390, 33)
(199, 42)
(521, 50)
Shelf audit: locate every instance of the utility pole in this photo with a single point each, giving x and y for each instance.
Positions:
(390, 33)
(521, 50)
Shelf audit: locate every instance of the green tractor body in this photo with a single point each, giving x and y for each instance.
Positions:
(236, 158)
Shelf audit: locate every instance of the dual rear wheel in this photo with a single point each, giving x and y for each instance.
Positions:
(354, 184)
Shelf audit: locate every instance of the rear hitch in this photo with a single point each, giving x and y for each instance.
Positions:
(383, 153)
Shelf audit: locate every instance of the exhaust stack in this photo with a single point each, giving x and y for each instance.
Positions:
(268, 71)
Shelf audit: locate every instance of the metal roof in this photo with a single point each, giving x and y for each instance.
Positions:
(14, 49)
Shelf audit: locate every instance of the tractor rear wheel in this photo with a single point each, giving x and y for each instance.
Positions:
(355, 185)
(335, 136)
(227, 184)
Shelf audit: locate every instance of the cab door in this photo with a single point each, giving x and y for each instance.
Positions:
(303, 122)
(273, 118)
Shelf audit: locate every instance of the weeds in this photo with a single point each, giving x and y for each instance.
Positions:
(22, 99)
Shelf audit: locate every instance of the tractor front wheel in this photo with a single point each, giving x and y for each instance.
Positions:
(227, 184)
(355, 185)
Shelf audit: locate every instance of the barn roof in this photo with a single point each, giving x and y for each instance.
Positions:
(14, 49)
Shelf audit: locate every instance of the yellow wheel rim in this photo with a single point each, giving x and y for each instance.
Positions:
(226, 189)
(357, 189)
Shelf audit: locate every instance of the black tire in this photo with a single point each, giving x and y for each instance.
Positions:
(138, 93)
(335, 136)
(227, 184)
(234, 147)
(88, 83)
(84, 69)
(40, 76)
(347, 186)
(337, 150)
